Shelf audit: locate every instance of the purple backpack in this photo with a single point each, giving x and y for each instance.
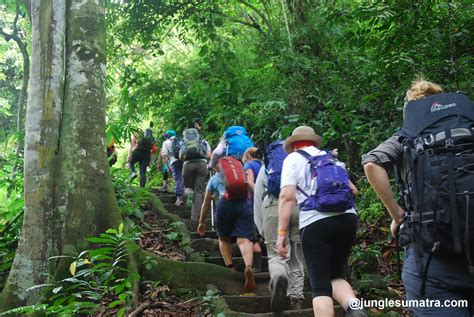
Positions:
(275, 156)
(333, 193)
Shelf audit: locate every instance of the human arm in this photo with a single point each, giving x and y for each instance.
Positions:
(250, 179)
(258, 196)
(285, 206)
(380, 182)
(160, 161)
(376, 163)
(206, 205)
(354, 189)
(164, 154)
(217, 153)
(208, 151)
(181, 152)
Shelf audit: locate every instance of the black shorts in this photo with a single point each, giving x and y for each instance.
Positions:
(234, 219)
(326, 246)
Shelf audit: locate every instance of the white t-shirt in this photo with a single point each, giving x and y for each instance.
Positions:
(295, 171)
(167, 149)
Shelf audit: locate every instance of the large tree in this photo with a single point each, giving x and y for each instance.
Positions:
(68, 189)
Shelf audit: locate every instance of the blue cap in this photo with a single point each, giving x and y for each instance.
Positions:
(171, 132)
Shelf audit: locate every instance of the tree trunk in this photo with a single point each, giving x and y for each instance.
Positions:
(68, 188)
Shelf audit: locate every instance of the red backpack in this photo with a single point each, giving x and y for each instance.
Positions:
(233, 177)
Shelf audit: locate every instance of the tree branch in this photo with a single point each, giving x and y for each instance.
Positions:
(258, 12)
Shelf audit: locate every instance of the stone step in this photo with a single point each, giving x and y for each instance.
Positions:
(172, 208)
(193, 224)
(210, 247)
(166, 198)
(237, 261)
(208, 234)
(261, 304)
(186, 213)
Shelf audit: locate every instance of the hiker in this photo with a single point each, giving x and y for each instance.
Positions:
(170, 153)
(233, 217)
(433, 157)
(141, 147)
(252, 165)
(327, 226)
(286, 276)
(164, 167)
(234, 142)
(112, 152)
(194, 151)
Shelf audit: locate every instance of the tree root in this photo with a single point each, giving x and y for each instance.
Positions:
(195, 275)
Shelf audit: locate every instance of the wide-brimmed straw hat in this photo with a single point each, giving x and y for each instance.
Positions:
(301, 133)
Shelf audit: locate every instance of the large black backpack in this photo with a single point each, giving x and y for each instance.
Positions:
(437, 178)
(146, 141)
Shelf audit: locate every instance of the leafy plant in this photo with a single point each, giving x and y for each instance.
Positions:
(98, 277)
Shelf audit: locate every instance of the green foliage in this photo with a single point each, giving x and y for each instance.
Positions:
(175, 234)
(129, 198)
(98, 276)
(11, 203)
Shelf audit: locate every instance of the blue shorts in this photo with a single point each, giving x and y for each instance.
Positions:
(234, 219)
(446, 280)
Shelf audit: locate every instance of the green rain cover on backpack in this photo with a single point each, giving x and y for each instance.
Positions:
(194, 146)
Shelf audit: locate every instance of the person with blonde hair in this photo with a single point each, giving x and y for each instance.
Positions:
(432, 155)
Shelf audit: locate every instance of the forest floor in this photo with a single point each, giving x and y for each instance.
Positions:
(156, 299)
(374, 276)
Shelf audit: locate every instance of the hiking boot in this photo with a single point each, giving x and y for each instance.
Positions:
(179, 201)
(249, 280)
(133, 175)
(231, 267)
(355, 312)
(297, 303)
(163, 189)
(278, 288)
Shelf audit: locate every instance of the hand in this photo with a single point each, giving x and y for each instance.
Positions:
(282, 246)
(201, 229)
(394, 226)
(129, 158)
(335, 153)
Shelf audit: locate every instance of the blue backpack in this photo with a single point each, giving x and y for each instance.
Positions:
(275, 157)
(333, 193)
(237, 141)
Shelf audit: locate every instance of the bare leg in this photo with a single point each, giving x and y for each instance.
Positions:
(257, 248)
(323, 306)
(226, 250)
(342, 292)
(246, 249)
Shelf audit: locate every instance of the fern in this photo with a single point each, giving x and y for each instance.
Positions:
(95, 274)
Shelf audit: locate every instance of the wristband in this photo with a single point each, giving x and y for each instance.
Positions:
(282, 232)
